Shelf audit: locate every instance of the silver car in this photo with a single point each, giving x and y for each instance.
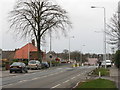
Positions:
(34, 64)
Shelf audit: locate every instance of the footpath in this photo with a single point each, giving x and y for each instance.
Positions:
(115, 76)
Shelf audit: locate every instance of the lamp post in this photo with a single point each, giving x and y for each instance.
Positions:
(69, 46)
(104, 56)
(81, 54)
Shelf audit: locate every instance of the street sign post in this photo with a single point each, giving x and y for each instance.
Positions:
(50, 60)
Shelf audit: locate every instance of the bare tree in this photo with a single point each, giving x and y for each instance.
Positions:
(35, 18)
(114, 30)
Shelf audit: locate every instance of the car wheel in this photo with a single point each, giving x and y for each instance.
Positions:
(21, 71)
(10, 71)
(26, 71)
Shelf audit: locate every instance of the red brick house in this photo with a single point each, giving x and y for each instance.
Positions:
(29, 51)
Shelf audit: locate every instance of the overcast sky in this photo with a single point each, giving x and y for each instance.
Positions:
(85, 22)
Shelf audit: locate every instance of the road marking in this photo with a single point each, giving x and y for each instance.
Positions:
(56, 85)
(8, 84)
(25, 80)
(34, 78)
(44, 76)
(20, 81)
(78, 75)
(33, 73)
(73, 77)
(66, 81)
(51, 74)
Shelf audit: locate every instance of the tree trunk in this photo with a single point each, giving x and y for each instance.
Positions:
(39, 53)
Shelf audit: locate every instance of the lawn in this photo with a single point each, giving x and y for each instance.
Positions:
(103, 71)
(98, 83)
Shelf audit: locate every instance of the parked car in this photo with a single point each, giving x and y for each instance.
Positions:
(108, 63)
(44, 65)
(34, 64)
(18, 67)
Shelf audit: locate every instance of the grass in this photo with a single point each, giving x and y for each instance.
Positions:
(98, 83)
(103, 71)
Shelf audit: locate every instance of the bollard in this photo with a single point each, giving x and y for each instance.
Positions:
(77, 64)
(73, 65)
(99, 74)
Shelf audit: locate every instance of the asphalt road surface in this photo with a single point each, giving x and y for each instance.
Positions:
(59, 77)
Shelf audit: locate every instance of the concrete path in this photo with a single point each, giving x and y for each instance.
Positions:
(115, 75)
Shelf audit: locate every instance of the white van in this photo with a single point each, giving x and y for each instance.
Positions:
(108, 63)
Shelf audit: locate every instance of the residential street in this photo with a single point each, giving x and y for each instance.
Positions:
(60, 77)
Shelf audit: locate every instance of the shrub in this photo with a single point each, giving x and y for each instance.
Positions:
(117, 59)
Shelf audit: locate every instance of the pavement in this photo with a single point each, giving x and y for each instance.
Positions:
(115, 76)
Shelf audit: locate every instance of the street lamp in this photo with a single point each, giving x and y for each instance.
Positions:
(69, 46)
(81, 54)
(104, 56)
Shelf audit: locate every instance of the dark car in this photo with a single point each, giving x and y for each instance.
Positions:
(44, 65)
(18, 67)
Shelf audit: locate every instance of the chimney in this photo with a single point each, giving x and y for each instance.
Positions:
(33, 42)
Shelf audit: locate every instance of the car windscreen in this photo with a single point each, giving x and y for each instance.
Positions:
(44, 63)
(16, 64)
(32, 62)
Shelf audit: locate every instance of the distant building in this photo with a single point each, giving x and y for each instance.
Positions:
(91, 61)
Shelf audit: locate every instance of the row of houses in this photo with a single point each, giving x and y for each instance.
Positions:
(27, 52)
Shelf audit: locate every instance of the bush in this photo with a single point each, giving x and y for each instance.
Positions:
(104, 72)
(54, 63)
(117, 59)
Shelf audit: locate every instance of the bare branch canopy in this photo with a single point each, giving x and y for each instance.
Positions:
(34, 18)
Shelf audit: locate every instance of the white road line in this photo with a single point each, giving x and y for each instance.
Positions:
(34, 78)
(33, 73)
(15, 83)
(61, 71)
(20, 82)
(78, 75)
(9, 84)
(56, 85)
(66, 81)
(51, 74)
(44, 76)
(6, 85)
(25, 80)
(73, 77)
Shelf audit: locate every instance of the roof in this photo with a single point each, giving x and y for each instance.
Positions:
(23, 52)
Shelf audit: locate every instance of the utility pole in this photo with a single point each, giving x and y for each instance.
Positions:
(104, 37)
(119, 25)
(50, 40)
(69, 46)
(50, 48)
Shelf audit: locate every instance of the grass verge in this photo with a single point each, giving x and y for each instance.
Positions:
(97, 83)
(103, 71)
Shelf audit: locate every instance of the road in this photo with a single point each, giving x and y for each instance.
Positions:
(59, 77)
